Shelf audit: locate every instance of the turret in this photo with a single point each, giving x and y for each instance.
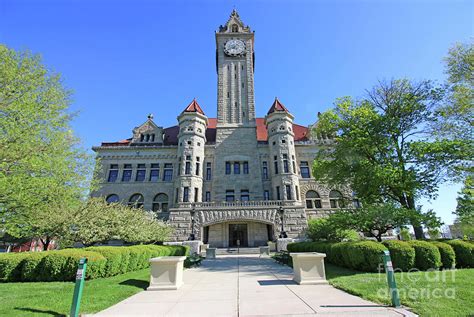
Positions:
(191, 141)
(285, 180)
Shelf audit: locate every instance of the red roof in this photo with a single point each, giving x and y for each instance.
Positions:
(194, 107)
(171, 133)
(277, 106)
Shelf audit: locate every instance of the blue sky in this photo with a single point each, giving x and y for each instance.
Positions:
(125, 59)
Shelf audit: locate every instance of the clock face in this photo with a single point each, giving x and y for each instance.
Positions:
(234, 47)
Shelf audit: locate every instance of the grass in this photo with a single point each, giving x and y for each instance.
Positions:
(55, 298)
(440, 293)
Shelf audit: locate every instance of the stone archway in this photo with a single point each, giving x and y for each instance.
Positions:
(261, 225)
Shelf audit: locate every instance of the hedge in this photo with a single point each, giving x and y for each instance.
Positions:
(401, 253)
(464, 253)
(62, 265)
(427, 255)
(361, 255)
(448, 256)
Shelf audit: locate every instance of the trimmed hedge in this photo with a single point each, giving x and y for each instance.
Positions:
(361, 255)
(464, 253)
(401, 253)
(427, 255)
(62, 265)
(448, 256)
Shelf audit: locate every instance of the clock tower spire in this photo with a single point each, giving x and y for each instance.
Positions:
(235, 68)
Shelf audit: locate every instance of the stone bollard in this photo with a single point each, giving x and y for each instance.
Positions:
(282, 243)
(264, 251)
(210, 253)
(166, 273)
(308, 268)
(194, 246)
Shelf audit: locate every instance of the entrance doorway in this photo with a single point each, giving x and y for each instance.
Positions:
(238, 235)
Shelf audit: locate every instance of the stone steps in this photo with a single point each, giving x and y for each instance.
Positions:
(231, 251)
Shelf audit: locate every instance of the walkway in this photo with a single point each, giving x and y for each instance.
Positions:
(246, 286)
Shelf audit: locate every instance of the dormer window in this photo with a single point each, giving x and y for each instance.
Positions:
(235, 28)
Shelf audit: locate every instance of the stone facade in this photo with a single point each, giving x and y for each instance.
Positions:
(238, 175)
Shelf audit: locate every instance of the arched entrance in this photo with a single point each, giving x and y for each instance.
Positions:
(238, 234)
(226, 228)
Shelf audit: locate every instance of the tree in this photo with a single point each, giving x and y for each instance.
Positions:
(376, 220)
(115, 221)
(325, 229)
(43, 172)
(384, 147)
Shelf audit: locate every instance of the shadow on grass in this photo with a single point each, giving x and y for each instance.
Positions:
(39, 311)
(333, 271)
(137, 283)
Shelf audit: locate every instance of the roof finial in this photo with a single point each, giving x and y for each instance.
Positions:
(150, 116)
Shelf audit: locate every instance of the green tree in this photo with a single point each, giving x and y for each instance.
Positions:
(114, 221)
(326, 229)
(384, 147)
(42, 169)
(376, 220)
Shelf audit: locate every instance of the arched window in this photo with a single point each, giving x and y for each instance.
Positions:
(335, 199)
(136, 201)
(235, 28)
(113, 198)
(160, 203)
(313, 200)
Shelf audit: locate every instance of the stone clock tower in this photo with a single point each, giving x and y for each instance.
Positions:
(236, 131)
(235, 67)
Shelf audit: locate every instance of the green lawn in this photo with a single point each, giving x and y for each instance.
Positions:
(54, 298)
(441, 293)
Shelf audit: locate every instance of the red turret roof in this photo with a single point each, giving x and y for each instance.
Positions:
(194, 107)
(277, 106)
(171, 133)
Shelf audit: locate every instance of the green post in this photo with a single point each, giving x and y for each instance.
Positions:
(392, 285)
(80, 276)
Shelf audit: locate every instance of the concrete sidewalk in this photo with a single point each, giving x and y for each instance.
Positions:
(246, 286)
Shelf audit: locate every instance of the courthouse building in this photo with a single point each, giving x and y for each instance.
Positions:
(228, 180)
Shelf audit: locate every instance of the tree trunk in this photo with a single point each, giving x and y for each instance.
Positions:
(46, 243)
(419, 235)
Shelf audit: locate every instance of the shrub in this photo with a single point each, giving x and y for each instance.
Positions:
(448, 257)
(401, 253)
(10, 266)
(427, 255)
(62, 265)
(117, 259)
(363, 256)
(30, 267)
(464, 253)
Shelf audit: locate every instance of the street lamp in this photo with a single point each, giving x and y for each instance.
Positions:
(282, 232)
(193, 212)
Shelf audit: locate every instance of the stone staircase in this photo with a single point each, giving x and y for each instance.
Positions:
(235, 251)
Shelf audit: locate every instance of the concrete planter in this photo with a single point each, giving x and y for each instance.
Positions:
(282, 243)
(210, 253)
(308, 268)
(272, 246)
(166, 273)
(264, 251)
(204, 247)
(194, 246)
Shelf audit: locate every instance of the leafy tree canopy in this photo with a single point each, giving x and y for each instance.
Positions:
(42, 169)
